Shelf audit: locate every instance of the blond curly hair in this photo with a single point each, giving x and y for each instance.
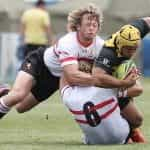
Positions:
(75, 17)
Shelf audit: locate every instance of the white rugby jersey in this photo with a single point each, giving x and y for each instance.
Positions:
(68, 50)
(97, 112)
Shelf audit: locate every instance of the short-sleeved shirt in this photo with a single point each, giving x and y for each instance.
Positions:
(108, 58)
(69, 50)
(35, 20)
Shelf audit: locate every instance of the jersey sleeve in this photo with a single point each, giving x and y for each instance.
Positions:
(66, 52)
(142, 26)
(105, 60)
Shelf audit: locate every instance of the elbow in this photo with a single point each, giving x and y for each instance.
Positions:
(135, 91)
(70, 79)
(139, 91)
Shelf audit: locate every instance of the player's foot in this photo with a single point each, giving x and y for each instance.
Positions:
(137, 136)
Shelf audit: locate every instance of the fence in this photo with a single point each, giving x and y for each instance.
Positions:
(8, 59)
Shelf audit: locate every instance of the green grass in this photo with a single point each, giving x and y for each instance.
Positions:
(50, 127)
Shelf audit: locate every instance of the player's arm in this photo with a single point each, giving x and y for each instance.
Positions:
(135, 90)
(122, 72)
(143, 25)
(102, 72)
(69, 63)
(147, 20)
(103, 79)
(76, 77)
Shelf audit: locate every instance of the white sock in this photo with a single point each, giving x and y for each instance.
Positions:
(3, 107)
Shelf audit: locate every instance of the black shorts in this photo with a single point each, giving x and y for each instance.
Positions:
(46, 84)
(32, 47)
(123, 102)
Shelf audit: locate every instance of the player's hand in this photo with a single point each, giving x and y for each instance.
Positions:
(134, 71)
(130, 80)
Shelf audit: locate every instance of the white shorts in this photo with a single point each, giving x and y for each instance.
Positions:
(97, 112)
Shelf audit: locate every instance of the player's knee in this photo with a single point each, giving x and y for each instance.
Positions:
(137, 122)
(19, 109)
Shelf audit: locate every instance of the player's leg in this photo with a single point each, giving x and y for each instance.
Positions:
(132, 114)
(28, 103)
(46, 85)
(20, 89)
(25, 81)
(128, 107)
(135, 118)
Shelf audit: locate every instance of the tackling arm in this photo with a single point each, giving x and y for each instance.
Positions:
(76, 77)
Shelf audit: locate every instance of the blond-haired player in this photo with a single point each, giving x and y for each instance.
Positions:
(39, 75)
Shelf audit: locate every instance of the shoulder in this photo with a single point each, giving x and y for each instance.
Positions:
(99, 40)
(44, 12)
(107, 52)
(28, 11)
(26, 14)
(106, 59)
(69, 39)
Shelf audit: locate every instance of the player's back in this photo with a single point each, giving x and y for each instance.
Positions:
(96, 111)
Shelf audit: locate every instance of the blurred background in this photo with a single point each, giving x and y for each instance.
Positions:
(116, 14)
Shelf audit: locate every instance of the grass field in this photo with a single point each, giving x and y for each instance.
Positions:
(50, 127)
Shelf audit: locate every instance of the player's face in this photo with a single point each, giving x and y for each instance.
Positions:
(128, 51)
(88, 27)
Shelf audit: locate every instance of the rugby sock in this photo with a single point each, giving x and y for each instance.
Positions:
(3, 108)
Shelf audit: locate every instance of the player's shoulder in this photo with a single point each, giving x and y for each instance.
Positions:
(109, 48)
(69, 39)
(110, 41)
(108, 52)
(28, 11)
(69, 36)
(99, 40)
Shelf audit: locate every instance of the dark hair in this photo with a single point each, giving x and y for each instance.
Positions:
(40, 2)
